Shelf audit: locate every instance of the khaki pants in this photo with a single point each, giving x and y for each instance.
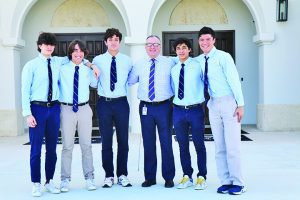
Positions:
(82, 120)
(227, 137)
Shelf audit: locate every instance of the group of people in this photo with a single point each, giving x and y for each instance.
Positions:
(172, 92)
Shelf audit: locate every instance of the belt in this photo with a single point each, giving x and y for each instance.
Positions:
(112, 99)
(70, 104)
(156, 102)
(46, 104)
(188, 107)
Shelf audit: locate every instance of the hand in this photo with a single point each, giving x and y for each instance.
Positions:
(96, 71)
(239, 112)
(31, 122)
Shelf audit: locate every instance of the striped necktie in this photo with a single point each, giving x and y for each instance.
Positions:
(49, 99)
(206, 94)
(113, 73)
(75, 89)
(151, 93)
(181, 82)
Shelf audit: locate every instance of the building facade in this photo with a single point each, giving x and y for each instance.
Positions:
(264, 50)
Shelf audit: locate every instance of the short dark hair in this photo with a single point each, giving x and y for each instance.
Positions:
(151, 36)
(207, 30)
(46, 38)
(182, 40)
(110, 32)
(81, 45)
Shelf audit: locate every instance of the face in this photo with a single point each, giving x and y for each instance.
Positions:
(47, 49)
(113, 44)
(77, 55)
(153, 47)
(206, 43)
(183, 51)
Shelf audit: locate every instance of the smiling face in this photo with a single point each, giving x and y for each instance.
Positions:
(46, 49)
(113, 44)
(77, 55)
(206, 43)
(183, 52)
(153, 47)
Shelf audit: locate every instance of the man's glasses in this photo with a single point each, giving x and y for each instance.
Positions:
(152, 44)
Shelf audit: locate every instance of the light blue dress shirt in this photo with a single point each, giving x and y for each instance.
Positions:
(66, 80)
(35, 81)
(223, 78)
(193, 83)
(124, 66)
(162, 78)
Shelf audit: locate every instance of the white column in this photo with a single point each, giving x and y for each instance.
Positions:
(11, 120)
(137, 51)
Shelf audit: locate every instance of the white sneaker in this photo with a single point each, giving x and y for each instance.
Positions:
(108, 182)
(36, 190)
(90, 184)
(123, 180)
(64, 185)
(185, 182)
(50, 187)
(200, 183)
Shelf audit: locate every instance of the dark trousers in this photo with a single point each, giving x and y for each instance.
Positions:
(159, 116)
(48, 122)
(194, 118)
(109, 113)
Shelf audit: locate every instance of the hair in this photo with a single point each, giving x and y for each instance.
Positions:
(151, 36)
(110, 32)
(182, 40)
(207, 30)
(46, 38)
(81, 45)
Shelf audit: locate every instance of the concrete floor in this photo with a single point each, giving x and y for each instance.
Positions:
(271, 168)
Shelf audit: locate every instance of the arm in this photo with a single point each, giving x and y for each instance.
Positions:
(93, 67)
(133, 76)
(233, 79)
(27, 77)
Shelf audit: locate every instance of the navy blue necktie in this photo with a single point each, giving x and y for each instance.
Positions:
(75, 89)
(181, 82)
(113, 73)
(151, 93)
(49, 99)
(206, 94)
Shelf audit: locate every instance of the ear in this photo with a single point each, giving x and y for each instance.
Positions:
(105, 43)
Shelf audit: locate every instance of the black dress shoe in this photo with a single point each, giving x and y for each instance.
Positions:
(148, 183)
(169, 184)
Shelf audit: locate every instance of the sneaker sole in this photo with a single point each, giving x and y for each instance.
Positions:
(106, 186)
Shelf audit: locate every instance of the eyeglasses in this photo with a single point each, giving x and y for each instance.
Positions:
(152, 44)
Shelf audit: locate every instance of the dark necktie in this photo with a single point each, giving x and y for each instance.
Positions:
(75, 89)
(151, 93)
(50, 81)
(206, 94)
(181, 82)
(113, 73)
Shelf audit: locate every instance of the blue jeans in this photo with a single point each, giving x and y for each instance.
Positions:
(48, 122)
(183, 120)
(116, 113)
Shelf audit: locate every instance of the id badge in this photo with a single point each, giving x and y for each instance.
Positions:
(144, 110)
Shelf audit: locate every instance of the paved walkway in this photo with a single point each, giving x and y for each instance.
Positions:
(271, 166)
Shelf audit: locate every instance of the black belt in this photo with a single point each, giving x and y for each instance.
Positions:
(70, 104)
(46, 104)
(112, 99)
(188, 107)
(156, 102)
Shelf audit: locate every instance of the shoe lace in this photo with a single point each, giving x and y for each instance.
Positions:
(200, 181)
(184, 180)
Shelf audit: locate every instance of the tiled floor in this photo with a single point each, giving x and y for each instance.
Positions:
(271, 167)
